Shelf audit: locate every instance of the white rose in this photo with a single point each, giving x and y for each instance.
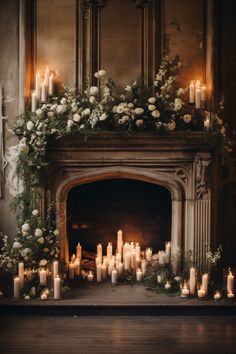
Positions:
(52, 253)
(60, 109)
(56, 232)
(50, 114)
(29, 125)
(120, 109)
(156, 114)
(9, 265)
(130, 105)
(128, 88)
(187, 118)
(53, 107)
(103, 116)
(178, 104)
(25, 227)
(74, 108)
(45, 250)
(101, 73)
(25, 252)
(86, 112)
(38, 233)
(171, 125)
(70, 123)
(76, 117)
(92, 99)
(35, 212)
(124, 119)
(151, 107)
(139, 111)
(63, 100)
(155, 83)
(17, 244)
(93, 90)
(139, 122)
(152, 100)
(114, 109)
(39, 112)
(40, 240)
(43, 262)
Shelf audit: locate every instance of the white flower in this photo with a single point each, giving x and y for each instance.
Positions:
(178, 104)
(35, 212)
(180, 92)
(40, 240)
(52, 252)
(43, 262)
(25, 252)
(124, 119)
(139, 111)
(50, 114)
(130, 105)
(151, 107)
(171, 125)
(101, 73)
(17, 245)
(63, 100)
(38, 233)
(152, 100)
(76, 117)
(120, 109)
(70, 123)
(93, 90)
(61, 109)
(9, 265)
(53, 107)
(156, 114)
(30, 125)
(155, 83)
(103, 116)
(86, 112)
(139, 122)
(46, 250)
(187, 118)
(128, 88)
(25, 227)
(39, 112)
(92, 99)
(56, 232)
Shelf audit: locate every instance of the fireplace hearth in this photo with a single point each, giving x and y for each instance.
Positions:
(180, 164)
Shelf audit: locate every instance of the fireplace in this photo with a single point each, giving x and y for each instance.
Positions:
(95, 211)
(183, 167)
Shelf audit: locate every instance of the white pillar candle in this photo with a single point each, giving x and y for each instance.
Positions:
(161, 257)
(230, 282)
(21, 273)
(71, 270)
(110, 269)
(51, 85)
(77, 266)
(55, 268)
(105, 260)
(118, 258)
(99, 251)
(127, 261)
(198, 95)
(184, 291)
(57, 287)
(125, 249)
(43, 276)
(143, 266)
(192, 281)
(16, 287)
(148, 254)
(79, 251)
(230, 295)
(44, 92)
(73, 258)
(201, 292)
(104, 271)
(114, 276)
(191, 92)
(109, 251)
(133, 259)
(46, 76)
(99, 272)
(139, 275)
(90, 276)
(98, 260)
(120, 268)
(33, 102)
(217, 295)
(38, 85)
(205, 283)
(119, 242)
(159, 279)
(203, 93)
(137, 250)
(168, 252)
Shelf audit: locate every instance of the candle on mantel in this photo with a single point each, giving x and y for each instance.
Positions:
(42, 276)
(118, 258)
(127, 261)
(46, 76)
(99, 272)
(203, 93)
(21, 273)
(99, 251)
(191, 92)
(159, 279)
(217, 295)
(77, 266)
(168, 252)
(16, 287)
(197, 95)
(38, 85)
(201, 292)
(55, 268)
(143, 266)
(71, 270)
(148, 254)
(207, 123)
(133, 259)
(185, 290)
(104, 271)
(33, 102)
(161, 257)
(57, 287)
(230, 282)
(139, 275)
(109, 251)
(90, 276)
(51, 85)
(73, 258)
(192, 281)
(137, 250)
(78, 251)
(119, 241)
(44, 92)
(205, 283)
(120, 268)
(137, 262)
(114, 276)
(230, 295)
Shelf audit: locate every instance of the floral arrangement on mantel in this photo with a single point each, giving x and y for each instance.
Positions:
(162, 108)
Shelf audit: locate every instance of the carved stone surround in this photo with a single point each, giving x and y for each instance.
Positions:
(182, 163)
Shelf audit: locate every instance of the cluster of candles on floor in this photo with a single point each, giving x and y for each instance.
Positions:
(44, 278)
(128, 258)
(44, 86)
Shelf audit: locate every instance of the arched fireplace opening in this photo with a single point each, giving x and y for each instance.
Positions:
(96, 210)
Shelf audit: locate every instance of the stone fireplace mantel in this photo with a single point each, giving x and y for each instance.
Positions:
(184, 163)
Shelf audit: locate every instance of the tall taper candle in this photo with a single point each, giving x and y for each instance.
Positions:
(57, 287)
(44, 92)
(205, 283)
(33, 102)
(55, 268)
(191, 92)
(78, 251)
(192, 281)
(230, 282)
(21, 273)
(99, 272)
(99, 251)
(16, 287)
(198, 95)
(51, 85)
(114, 276)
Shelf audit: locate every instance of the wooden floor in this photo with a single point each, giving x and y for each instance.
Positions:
(113, 335)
